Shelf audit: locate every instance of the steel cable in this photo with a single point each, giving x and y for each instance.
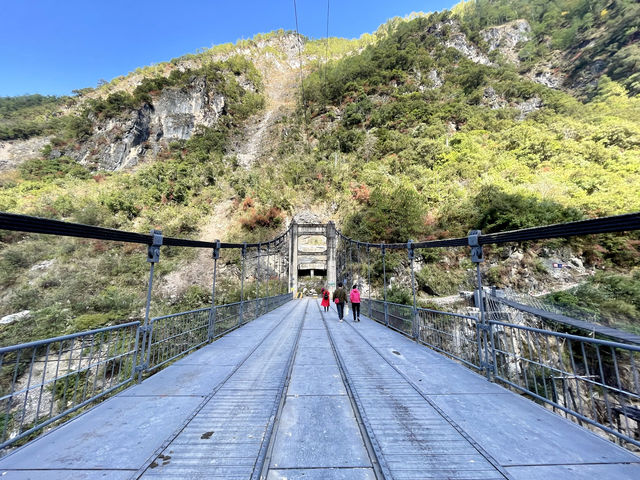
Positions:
(613, 224)
(47, 226)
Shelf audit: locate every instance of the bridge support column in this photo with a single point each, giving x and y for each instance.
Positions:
(485, 335)
(331, 256)
(244, 255)
(293, 260)
(384, 285)
(153, 257)
(414, 323)
(212, 314)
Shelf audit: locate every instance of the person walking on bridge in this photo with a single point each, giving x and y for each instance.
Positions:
(354, 296)
(340, 298)
(325, 299)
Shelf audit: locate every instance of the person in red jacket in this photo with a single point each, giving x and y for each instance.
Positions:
(325, 299)
(354, 296)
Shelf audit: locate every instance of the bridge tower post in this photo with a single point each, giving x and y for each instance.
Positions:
(414, 323)
(369, 275)
(485, 343)
(153, 257)
(212, 314)
(331, 256)
(244, 256)
(293, 260)
(384, 285)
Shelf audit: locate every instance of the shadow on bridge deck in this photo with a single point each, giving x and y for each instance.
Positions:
(295, 394)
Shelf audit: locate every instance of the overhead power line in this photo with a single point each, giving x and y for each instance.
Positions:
(326, 51)
(304, 108)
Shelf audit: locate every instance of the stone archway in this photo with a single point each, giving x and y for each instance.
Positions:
(313, 252)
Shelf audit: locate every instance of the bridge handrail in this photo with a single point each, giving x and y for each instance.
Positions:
(569, 336)
(37, 343)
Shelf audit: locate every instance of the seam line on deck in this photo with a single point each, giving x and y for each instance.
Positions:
(379, 466)
(206, 400)
(263, 460)
(446, 417)
(570, 464)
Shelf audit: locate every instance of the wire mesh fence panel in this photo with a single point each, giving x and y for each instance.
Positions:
(226, 317)
(250, 310)
(455, 335)
(43, 381)
(400, 317)
(374, 309)
(177, 334)
(180, 333)
(593, 382)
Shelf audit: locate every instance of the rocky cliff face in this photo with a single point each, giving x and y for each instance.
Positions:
(14, 152)
(174, 114)
(507, 38)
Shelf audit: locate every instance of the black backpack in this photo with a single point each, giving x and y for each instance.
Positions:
(326, 295)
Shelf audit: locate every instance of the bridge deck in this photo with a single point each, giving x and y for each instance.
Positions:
(295, 394)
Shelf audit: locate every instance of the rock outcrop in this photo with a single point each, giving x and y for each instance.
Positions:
(14, 152)
(507, 38)
(174, 114)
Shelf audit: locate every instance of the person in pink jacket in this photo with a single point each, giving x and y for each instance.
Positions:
(354, 297)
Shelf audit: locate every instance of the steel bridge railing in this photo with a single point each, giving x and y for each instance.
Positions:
(47, 380)
(455, 335)
(595, 383)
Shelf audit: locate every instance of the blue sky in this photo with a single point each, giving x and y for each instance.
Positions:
(54, 46)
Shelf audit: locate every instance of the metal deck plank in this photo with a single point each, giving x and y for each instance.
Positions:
(318, 435)
(322, 474)
(67, 474)
(575, 472)
(401, 420)
(236, 416)
(119, 434)
(318, 431)
(125, 430)
(512, 429)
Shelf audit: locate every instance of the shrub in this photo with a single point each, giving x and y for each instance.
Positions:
(392, 215)
(401, 295)
(48, 168)
(500, 211)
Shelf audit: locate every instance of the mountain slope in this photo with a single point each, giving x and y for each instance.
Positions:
(475, 118)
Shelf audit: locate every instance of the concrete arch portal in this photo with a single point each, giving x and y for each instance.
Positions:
(313, 253)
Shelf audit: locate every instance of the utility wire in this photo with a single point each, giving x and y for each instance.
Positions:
(326, 51)
(304, 107)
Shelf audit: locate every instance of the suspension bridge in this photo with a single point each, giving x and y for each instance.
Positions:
(273, 387)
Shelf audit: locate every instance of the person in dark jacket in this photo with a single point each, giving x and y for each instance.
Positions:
(354, 296)
(340, 298)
